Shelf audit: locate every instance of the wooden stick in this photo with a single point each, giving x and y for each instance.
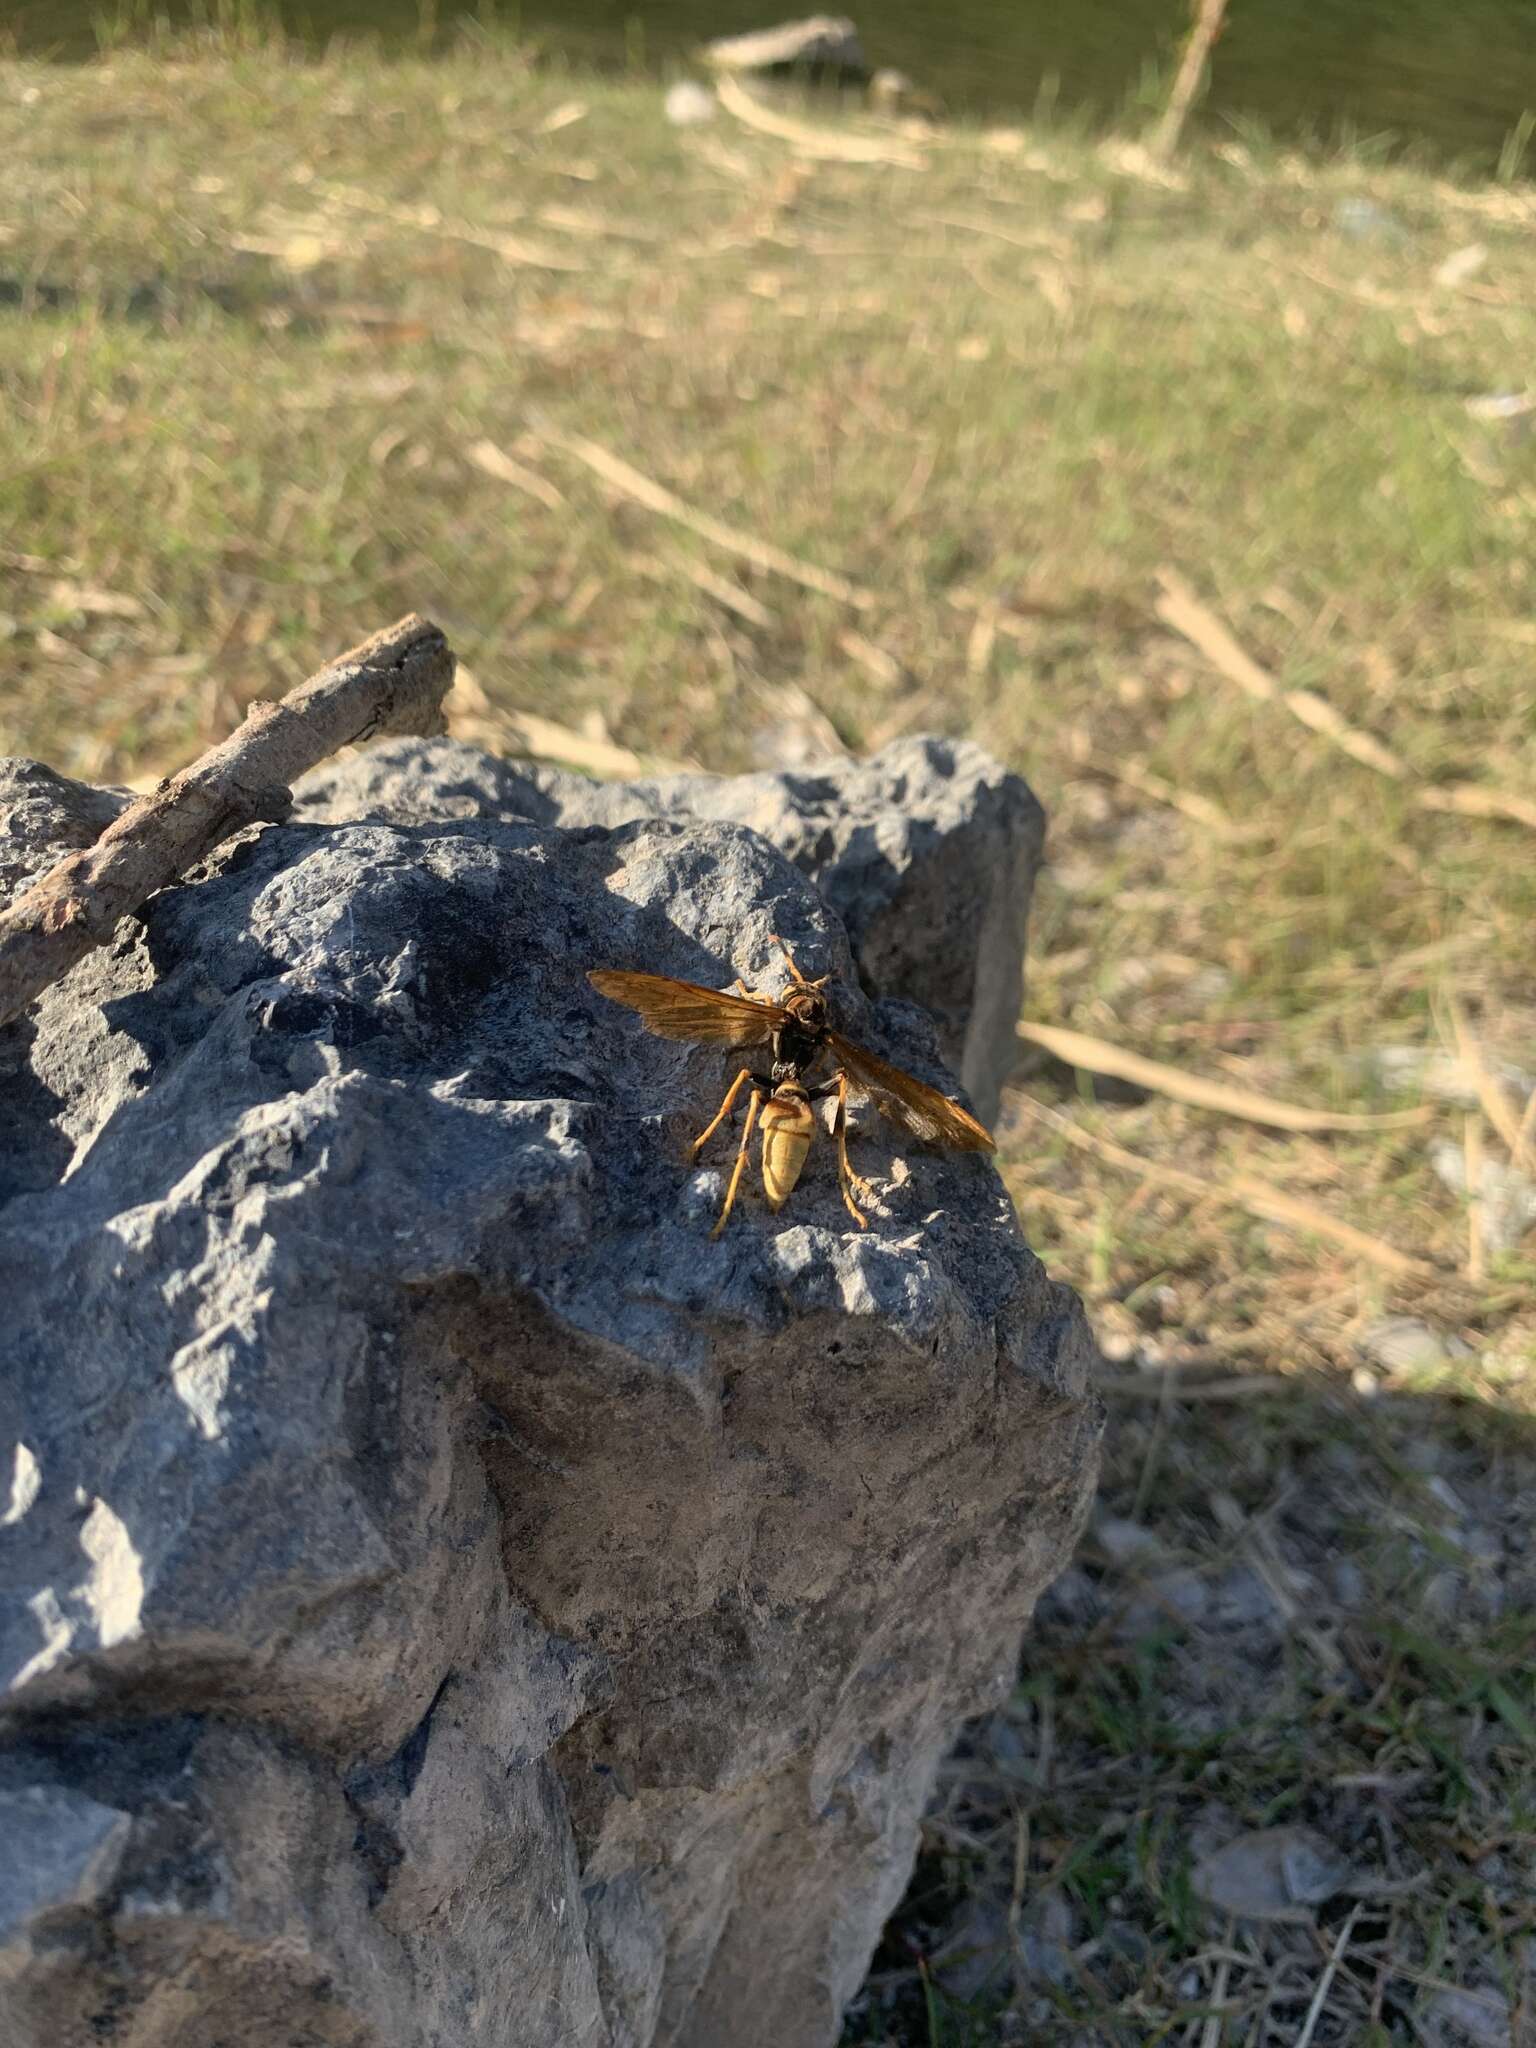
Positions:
(720, 588)
(1135, 776)
(1527, 1131)
(484, 454)
(831, 145)
(1472, 1152)
(393, 683)
(657, 498)
(1244, 1191)
(1204, 30)
(1476, 800)
(1330, 1971)
(1177, 606)
(473, 716)
(1097, 1056)
(1496, 1104)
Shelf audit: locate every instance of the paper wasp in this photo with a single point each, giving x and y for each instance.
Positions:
(794, 1027)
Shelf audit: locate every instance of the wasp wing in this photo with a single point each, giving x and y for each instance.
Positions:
(686, 1009)
(909, 1102)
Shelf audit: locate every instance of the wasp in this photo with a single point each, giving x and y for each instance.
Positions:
(794, 1026)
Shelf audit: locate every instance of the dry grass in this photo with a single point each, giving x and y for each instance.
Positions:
(287, 348)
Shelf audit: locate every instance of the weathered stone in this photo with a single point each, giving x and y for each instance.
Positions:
(822, 42)
(1271, 1874)
(928, 853)
(443, 1596)
(44, 816)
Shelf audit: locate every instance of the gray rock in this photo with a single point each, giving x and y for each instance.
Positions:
(443, 1596)
(975, 1954)
(1271, 1874)
(1171, 1599)
(1408, 1344)
(927, 852)
(1127, 1544)
(43, 816)
(1481, 2018)
(1508, 1196)
(1047, 1935)
(1421, 1070)
(1239, 1599)
(1362, 220)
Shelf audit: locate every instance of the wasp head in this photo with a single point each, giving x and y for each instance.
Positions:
(808, 1007)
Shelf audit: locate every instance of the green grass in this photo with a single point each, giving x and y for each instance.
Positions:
(255, 315)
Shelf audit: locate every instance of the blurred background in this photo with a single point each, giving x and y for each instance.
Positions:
(1193, 473)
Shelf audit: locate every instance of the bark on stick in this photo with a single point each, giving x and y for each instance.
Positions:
(393, 683)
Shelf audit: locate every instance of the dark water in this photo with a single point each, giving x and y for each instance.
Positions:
(1455, 74)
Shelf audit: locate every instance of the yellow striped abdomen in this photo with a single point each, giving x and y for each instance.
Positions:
(788, 1126)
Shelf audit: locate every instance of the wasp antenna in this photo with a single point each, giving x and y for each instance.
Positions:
(793, 968)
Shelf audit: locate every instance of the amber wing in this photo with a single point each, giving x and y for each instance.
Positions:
(909, 1102)
(685, 1009)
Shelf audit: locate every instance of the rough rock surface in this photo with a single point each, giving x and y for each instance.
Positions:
(927, 852)
(43, 816)
(444, 1598)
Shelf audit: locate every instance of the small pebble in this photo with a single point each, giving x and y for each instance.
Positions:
(688, 105)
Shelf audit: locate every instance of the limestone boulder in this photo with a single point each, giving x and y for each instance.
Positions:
(445, 1598)
(927, 852)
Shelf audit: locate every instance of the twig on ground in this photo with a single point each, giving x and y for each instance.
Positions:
(978, 648)
(1325, 1981)
(1194, 806)
(1096, 1056)
(657, 498)
(1472, 1151)
(1523, 1149)
(474, 717)
(485, 455)
(1211, 2032)
(1475, 800)
(1496, 1104)
(427, 220)
(830, 145)
(720, 588)
(1244, 1191)
(881, 667)
(393, 683)
(910, 496)
(1204, 30)
(1177, 606)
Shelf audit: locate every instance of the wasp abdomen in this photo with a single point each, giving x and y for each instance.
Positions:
(788, 1125)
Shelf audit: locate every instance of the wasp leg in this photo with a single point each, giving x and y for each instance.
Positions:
(753, 995)
(794, 970)
(741, 1159)
(846, 1176)
(720, 1115)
